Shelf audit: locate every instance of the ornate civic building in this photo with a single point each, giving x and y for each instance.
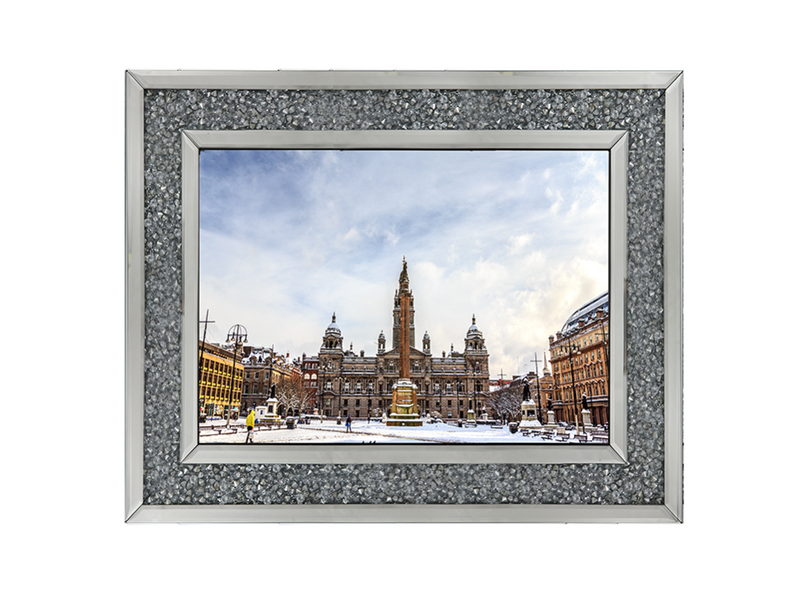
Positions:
(579, 357)
(362, 386)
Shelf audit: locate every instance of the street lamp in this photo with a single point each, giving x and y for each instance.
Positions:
(237, 335)
(571, 347)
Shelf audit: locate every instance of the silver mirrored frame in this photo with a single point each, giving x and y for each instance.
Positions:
(193, 142)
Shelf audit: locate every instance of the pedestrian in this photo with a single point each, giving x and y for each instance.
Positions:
(250, 426)
(349, 423)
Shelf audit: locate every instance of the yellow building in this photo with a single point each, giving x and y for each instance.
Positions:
(215, 392)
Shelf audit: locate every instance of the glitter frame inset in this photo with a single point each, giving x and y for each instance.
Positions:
(163, 112)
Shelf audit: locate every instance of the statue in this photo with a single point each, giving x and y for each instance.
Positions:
(526, 391)
(273, 391)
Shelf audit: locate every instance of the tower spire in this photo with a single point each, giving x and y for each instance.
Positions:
(404, 281)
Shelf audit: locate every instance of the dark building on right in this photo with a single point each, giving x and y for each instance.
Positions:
(579, 356)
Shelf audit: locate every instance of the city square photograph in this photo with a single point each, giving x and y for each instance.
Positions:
(403, 297)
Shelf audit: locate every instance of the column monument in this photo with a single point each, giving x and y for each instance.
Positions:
(404, 409)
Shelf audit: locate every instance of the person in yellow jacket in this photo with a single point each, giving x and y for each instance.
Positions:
(250, 426)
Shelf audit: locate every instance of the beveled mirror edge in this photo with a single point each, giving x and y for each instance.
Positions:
(134, 296)
(359, 513)
(189, 290)
(674, 298)
(404, 80)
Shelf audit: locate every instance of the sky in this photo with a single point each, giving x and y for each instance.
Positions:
(519, 239)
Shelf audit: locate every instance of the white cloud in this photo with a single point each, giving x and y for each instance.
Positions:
(289, 238)
(518, 243)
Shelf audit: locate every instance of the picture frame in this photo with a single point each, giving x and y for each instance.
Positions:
(636, 116)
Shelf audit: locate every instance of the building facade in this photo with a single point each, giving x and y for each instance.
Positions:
(361, 386)
(217, 391)
(264, 369)
(580, 363)
(309, 368)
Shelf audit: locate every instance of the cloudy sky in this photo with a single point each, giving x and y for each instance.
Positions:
(517, 238)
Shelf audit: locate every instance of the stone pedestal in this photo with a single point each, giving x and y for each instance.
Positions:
(404, 409)
(267, 414)
(529, 415)
(586, 417)
(470, 416)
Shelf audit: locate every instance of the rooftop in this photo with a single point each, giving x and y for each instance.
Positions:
(585, 312)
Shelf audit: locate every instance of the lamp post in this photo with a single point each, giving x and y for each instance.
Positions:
(571, 347)
(538, 390)
(585, 407)
(270, 369)
(237, 335)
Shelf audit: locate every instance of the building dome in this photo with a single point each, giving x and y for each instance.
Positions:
(333, 328)
(473, 331)
(586, 312)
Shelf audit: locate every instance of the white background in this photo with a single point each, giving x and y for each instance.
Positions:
(63, 306)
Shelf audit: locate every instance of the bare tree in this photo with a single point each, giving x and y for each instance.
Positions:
(296, 398)
(505, 402)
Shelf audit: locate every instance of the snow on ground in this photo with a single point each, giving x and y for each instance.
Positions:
(375, 432)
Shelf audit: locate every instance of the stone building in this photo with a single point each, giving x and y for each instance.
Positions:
(309, 367)
(264, 368)
(360, 385)
(579, 357)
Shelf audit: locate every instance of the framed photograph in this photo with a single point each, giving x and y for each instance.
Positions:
(421, 296)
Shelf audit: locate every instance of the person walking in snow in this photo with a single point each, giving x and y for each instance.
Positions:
(250, 426)
(349, 424)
